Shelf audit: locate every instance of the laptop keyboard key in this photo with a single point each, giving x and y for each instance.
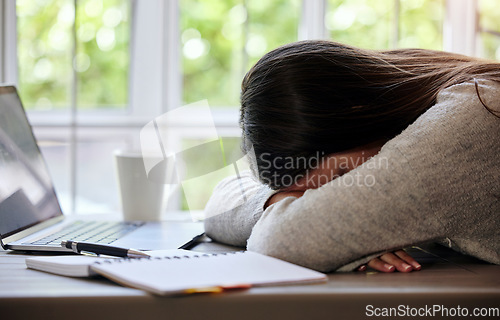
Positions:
(93, 231)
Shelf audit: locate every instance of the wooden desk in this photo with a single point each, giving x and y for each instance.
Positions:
(447, 279)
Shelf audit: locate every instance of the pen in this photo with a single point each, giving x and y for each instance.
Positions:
(81, 247)
(191, 243)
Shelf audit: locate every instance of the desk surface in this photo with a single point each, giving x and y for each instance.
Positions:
(447, 279)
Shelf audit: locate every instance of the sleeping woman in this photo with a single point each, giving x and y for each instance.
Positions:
(357, 154)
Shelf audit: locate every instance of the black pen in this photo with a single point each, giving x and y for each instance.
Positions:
(82, 247)
(192, 243)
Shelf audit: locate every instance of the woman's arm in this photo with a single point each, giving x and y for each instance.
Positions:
(389, 262)
(351, 220)
(234, 207)
(231, 218)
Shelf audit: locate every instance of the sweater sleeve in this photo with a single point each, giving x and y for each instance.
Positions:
(234, 207)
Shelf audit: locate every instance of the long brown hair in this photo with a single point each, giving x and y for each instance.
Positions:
(320, 97)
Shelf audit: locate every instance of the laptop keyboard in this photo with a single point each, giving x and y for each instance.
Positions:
(104, 232)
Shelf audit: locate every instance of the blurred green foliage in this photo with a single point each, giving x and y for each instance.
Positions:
(102, 59)
(45, 52)
(45, 48)
(421, 24)
(371, 23)
(361, 23)
(222, 39)
(489, 23)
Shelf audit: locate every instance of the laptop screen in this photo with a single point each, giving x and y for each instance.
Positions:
(27, 196)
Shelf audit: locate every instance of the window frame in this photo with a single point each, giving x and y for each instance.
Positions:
(8, 42)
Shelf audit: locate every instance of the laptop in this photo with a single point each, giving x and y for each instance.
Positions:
(30, 214)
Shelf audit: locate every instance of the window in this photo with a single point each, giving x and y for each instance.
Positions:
(93, 72)
(74, 58)
(64, 42)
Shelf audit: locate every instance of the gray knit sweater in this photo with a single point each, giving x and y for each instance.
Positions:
(439, 180)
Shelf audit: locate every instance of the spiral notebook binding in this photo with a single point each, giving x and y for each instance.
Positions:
(176, 257)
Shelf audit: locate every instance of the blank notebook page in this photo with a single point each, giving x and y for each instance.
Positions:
(174, 275)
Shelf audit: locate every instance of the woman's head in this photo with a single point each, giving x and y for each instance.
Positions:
(309, 99)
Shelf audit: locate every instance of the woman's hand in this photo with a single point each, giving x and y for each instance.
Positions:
(392, 261)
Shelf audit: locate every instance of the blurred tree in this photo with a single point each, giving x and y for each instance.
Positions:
(489, 24)
(44, 52)
(102, 59)
(221, 39)
(45, 49)
(421, 24)
(373, 24)
(362, 23)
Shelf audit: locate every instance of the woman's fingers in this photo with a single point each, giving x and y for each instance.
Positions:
(408, 259)
(394, 260)
(389, 262)
(380, 265)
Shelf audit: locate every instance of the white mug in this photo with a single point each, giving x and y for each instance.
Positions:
(141, 197)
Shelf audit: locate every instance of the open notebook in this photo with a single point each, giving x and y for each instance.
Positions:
(173, 272)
